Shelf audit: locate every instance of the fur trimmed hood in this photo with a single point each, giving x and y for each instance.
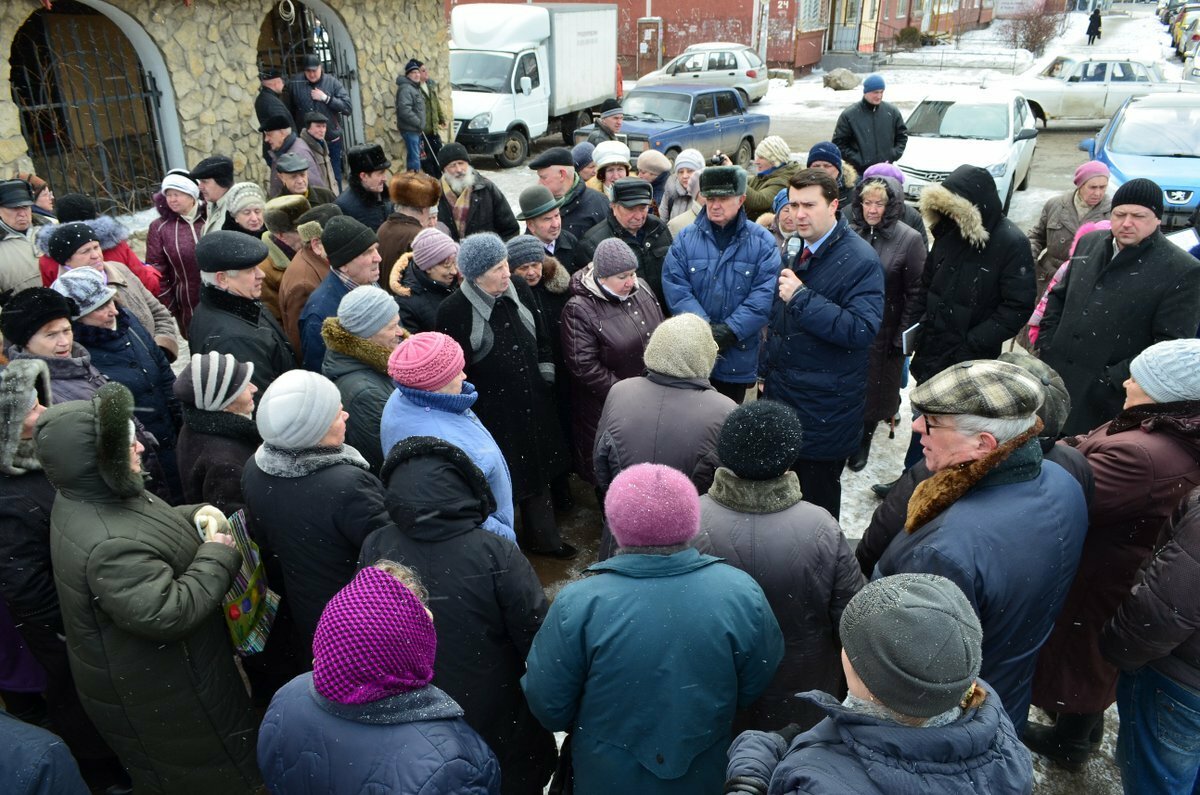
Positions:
(110, 232)
(339, 340)
(84, 446)
(555, 277)
(442, 491)
(395, 283)
(18, 456)
(967, 200)
(300, 463)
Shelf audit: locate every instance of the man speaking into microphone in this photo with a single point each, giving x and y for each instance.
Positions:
(827, 312)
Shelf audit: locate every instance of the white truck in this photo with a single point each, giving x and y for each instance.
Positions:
(520, 71)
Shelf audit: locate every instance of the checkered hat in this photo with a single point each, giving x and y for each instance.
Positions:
(984, 388)
(374, 640)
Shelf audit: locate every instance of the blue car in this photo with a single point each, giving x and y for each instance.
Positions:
(673, 118)
(1156, 137)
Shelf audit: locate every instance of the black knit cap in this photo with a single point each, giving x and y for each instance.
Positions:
(1142, 192)
(27, 311)
(66, 239)
(75, 207)
(451, 152)
(222, 250)
(760, 440)
(217, 167)
(276, 121)
(344, 238)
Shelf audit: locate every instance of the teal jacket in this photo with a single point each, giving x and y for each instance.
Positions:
(644, 637)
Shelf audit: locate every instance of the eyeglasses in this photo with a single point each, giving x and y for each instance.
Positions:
(929, 426)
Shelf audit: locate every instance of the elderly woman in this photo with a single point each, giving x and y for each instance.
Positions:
(773, 159)
(423, 278)
(676, 199)
(75, 245)
(1144, 462)
(503, 334)
(358, 342)
(695, 205)
(113, 237)
(606, 327)
(373, 661)
(171, 243)
(36, 324)
(877, 217)
(246, 207)
(1062, 215)
(612, 163)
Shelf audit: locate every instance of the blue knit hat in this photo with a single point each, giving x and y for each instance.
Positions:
(873, 83)
(581, 155)
(477, 254)
(780, 199)
(825, 152)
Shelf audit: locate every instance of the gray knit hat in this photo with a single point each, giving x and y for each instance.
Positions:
(477, 254)
(366, 309)
(1169, 371)
(212, 381)
(914, 641)
(86, 287)
(297, 410)
(524, 249)
(613, 256)
(682, 347)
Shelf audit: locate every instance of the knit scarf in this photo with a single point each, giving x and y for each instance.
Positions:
(482, 305)
(440, 401)
(460, 205)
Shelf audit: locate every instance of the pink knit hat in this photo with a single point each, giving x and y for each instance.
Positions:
(426, 361)
(432, 247)
(1092, 168)
(651, 505)
(374, 640)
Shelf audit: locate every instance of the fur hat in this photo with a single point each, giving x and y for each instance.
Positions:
(722, 181)
(414, 189)
(774, 150)
(1169, 371)
(68, 239)
(222, 250)
(613, 256)
(218, 168)
(654, 162)
(374, 640)
(824, 152)
(652, 505)
(27, 311)
(524, 249)
(75, 207)
(283, 213)
(297, 410)
(212, 381)
(310, 224)
(87, 288)
(426, 361)
(479, 253)
(983, 388)
(689, 158)
(760, 440)
(366, 310)
(366, 158)
(682, 347)
(1141, 192)
(432, 247)
(23, 383)
(243, 195)
(1056, 401)
(914, 641)
(345, 238)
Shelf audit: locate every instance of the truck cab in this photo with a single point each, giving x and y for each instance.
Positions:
(501, 101)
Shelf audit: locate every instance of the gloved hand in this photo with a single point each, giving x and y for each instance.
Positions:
(211, 522)
(789, 732)
(723, 335)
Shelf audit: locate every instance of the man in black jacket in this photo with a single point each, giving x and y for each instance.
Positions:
(543, 219)
(471, 202)
(364, 200)
(316, 91)
(629, 220)
(871, 131)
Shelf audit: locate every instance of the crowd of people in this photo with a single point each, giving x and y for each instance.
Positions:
(391, 398)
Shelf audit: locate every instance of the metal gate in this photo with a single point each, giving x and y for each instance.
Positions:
(291, 31)
(843, 34)
(89, 111)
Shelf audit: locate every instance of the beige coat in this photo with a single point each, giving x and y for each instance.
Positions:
(18, 261)
(1051, 238)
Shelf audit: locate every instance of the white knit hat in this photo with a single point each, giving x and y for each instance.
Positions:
(610, 153)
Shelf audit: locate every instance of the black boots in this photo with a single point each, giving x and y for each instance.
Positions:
(883, 489)
(1069, 742)
(859, 459)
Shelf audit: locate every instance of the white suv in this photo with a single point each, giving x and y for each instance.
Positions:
(715, 63)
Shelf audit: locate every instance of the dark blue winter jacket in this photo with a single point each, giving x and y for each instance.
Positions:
(321, 304)
(818, 343)
(853, 752)
(413, 742)
(734, 287)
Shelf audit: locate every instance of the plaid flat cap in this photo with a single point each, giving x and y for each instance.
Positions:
(984, 388)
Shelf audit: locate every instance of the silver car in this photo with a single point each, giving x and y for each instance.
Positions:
(717, 63)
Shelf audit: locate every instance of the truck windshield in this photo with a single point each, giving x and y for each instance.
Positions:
(655, 105)
(481, 71)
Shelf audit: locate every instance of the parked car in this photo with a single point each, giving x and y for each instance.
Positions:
(991, 128)
(1073, 87)
(1157, 137)
(1189, 39)
(673, 118)
(1167, 9)
(1184, 16)
(716, 63)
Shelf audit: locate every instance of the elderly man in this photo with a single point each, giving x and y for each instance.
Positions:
(291, 170)
(871, 131)
(230, 319)
(1125, 290)
(18, 261)
(1005, 525)
(580, 208)
(283, 241)
(829, 310)
(214, 175)
(410, 113)
(471, 202)
(306, 270)
(543, 220)
(723, 268)
(609, 123)
(282, 140)
(316, 127)
(353, 253)
(365, 200)
(316, 91)
(629, 220)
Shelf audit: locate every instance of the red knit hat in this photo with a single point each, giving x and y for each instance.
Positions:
(374, 640)
(426, 361)
(651, 505)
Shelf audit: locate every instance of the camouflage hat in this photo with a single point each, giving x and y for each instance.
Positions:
(1057, 402)
(984, 388)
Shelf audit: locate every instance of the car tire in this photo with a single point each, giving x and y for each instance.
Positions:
(1008, 199)
(514, 151)
(744, 154)
(1025, 182)
(672, 153)
(580, 119)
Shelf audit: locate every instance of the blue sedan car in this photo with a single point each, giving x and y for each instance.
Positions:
(1156, 137)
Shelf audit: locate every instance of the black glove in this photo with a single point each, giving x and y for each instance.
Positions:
(723, 335)
(789, 732)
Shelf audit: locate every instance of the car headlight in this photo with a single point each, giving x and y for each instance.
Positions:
(480, 122)
(999, 169)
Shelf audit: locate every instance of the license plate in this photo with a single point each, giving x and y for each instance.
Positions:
(454, 129)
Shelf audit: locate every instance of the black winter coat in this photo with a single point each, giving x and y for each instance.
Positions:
(978, 285)
(212, 451)
(650, 245)
(228, 323)
(566, 251)
(868, 134)
(486, 599)
(418, 309)
(582, 208)
(1109, 308)
(367, 208)
(489, 212)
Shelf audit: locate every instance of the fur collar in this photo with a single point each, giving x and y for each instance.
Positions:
(555, 278)
(17, 456)
(943, 489)
(221, 423)
(369, 353)
(755, 496)
(301, 463)
(110, 233)
(1178, 419)
(939, 204)
(395, 283)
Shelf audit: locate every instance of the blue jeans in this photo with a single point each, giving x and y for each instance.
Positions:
(1158, 748)
(412, 154)
(335, 158)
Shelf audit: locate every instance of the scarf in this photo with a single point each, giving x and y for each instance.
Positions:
(482, 305)
(460, 205)
(440, 401)
(283, 463)
(346, 281)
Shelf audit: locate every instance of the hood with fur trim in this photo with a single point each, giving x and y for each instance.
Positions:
(967, 200)
(893, 213)
(84, 447)
(18, 456)
(555, 278)
(439, 491)
(108, 230)
(338, 340)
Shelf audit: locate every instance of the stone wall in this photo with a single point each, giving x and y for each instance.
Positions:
(210, 54)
